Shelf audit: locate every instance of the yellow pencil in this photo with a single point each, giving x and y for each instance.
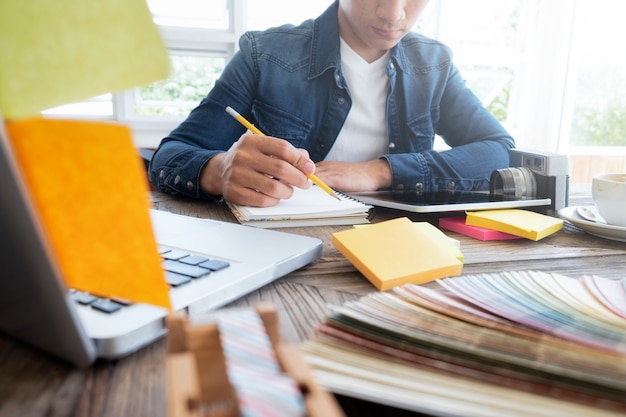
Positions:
(255, 130)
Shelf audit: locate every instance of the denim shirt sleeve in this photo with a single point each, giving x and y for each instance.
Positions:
(265, 82)
(208, 130)
(478, 142)
(176, 169)
(463, 168)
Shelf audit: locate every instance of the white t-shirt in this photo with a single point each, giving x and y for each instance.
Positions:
(363, 136)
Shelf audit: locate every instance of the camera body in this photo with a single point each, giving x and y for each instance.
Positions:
(535, 174)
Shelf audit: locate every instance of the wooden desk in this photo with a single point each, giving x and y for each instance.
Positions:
(33, 384)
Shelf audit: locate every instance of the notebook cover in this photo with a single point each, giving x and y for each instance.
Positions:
(90, 191)
(524, 223)
(396, 252)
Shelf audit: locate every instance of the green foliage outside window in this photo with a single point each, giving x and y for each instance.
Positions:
(192, 78)
(594, 126)
(499, 105)
(600, 112)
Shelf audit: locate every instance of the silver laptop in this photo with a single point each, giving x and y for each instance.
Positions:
(37, 308)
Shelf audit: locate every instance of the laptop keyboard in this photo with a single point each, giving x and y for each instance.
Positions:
(180, 268)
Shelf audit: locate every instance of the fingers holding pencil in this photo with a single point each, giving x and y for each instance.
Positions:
(246, 174)
(308, 167)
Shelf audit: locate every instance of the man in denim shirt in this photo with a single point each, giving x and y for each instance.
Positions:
(353, 96)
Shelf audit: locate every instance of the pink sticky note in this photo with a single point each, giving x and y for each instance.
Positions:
(457, 224)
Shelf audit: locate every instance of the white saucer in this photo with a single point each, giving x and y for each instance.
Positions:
(597, 229)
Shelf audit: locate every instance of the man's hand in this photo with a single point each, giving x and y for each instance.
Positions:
(355, 176)
(257, 171)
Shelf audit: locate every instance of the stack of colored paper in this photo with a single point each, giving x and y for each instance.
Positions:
(503, 224)
(514, 343)
(457, 224)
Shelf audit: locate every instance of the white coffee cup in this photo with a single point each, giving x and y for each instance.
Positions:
(609, 196)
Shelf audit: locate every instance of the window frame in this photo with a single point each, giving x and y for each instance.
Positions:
(149, 130)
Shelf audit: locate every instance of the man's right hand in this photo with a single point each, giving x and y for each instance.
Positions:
(257, 171)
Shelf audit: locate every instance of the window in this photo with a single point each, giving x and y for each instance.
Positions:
(594, 111)
(485, 46)
(97, 107)
(200, 36)
(213, 14)
(263, 14)
(550, 71)
(193, 76)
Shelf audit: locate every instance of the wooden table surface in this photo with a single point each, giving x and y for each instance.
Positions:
(34, 384)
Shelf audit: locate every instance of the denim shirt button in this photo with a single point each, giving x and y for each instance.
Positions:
(451, 185)
(161, 174)
(341, 100)
(190, 186)
(392, 145)
(177, 179)
(419, 187)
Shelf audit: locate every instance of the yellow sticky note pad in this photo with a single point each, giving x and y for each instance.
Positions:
(90, 192)
(398, 251)
(435, 235)
(524, 223)
(63, 51)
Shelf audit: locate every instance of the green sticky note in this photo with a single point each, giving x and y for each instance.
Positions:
(64, 51)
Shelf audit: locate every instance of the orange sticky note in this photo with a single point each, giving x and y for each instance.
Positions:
(90, 192)
(398, 251)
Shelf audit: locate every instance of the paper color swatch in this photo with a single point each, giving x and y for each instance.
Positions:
(524, 223)
(498, 344)
(90, 191)
(397, 252)
(64, 51)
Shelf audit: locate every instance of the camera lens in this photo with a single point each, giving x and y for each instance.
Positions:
(513, 183)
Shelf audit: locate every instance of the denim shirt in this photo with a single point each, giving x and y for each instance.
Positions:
(288, 82)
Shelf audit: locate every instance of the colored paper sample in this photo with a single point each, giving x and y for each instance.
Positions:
(487, 344)
(89, 190)
(64, 51)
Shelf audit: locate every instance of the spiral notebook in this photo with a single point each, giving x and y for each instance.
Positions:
(311, 207)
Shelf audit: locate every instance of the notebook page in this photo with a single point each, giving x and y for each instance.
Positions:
(310, 203)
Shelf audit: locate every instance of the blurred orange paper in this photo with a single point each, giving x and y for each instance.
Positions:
(89, 189)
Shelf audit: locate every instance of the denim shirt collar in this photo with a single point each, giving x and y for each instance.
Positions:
(325, 44)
